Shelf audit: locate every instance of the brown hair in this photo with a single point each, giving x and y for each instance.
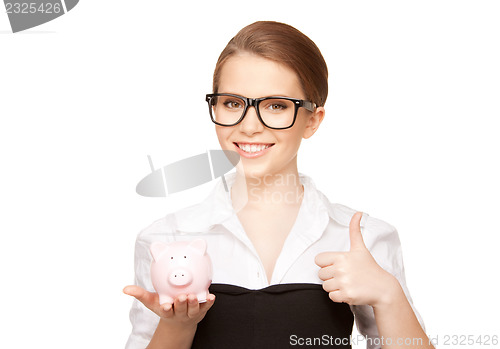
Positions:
(284, 44)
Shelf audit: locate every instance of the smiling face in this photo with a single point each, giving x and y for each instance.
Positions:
(253, 76)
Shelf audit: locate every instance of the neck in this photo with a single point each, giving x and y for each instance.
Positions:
(269, 191)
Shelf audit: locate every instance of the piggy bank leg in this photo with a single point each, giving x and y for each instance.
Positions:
(166, 299)
(202, 297)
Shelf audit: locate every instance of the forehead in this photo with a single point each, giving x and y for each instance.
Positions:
(253, 76)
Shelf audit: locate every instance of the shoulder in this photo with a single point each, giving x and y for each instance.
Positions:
(342, 214)
(196, 218)
(375, 231)
(159, 230)
(379, 237)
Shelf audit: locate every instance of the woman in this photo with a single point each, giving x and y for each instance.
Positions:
(290, 268)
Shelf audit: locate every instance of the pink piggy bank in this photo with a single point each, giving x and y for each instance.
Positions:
(181, 267)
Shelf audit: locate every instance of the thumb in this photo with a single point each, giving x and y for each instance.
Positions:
(355, 232)
(145, 297)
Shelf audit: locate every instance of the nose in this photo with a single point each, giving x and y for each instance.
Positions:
(180, 277)
(251, 123)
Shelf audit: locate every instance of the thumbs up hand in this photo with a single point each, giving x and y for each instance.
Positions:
(354, 277)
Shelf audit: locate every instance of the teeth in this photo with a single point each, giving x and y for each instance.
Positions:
(252, 148)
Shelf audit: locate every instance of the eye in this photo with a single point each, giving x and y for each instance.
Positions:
(233, 104)
(171, 257)
(184, 256)
(276, 107)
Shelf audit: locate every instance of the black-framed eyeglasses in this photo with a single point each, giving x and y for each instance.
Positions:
(276, 112)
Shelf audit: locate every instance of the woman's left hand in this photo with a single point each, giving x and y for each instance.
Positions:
(354, 277)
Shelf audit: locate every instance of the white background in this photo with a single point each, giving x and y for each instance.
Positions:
(411, 136)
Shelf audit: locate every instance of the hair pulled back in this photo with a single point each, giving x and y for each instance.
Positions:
(283, 44)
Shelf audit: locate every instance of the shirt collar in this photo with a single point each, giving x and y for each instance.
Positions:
(217, 207)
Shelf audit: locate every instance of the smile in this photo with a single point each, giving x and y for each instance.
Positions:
(252, 150)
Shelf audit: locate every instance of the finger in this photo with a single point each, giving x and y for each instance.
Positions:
(326, 273)
(336, 296)
(208, 304)
(180, 305)
(133, 290)
(167, 310)
(355, 236)
(325, 259)
(150, 300)
(193, 306)
(145, 297)
(331, 285)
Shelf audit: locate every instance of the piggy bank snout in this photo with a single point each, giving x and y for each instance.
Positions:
(180, 277)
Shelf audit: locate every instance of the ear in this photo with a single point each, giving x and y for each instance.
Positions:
(314, 121)
(157, 249)
(199, 245)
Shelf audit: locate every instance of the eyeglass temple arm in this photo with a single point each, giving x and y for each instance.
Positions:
(309, 105)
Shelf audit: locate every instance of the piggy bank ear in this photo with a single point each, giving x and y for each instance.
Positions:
(199, 245)
(157, 249)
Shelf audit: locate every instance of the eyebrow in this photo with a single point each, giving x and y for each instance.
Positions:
(273, 95)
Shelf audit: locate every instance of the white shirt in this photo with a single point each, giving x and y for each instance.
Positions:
(320, 226)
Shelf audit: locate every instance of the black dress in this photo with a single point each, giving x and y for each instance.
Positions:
(278, 316)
